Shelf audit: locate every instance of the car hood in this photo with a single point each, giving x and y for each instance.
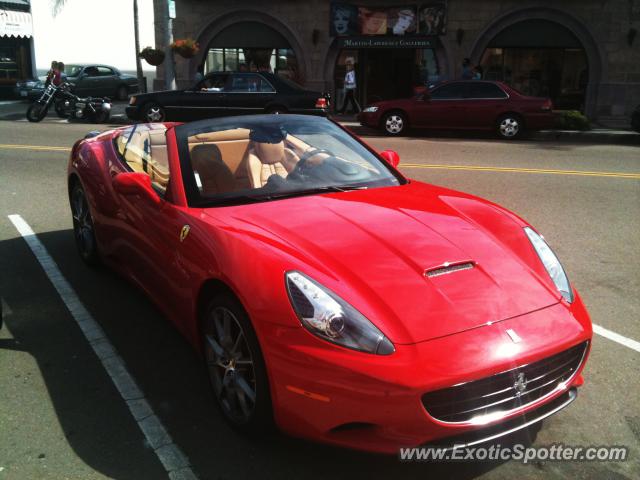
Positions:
(373, 248)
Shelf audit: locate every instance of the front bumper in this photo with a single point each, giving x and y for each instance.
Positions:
(369, 119)
(373, 403)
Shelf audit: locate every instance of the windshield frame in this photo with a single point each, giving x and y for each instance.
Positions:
(192, 192)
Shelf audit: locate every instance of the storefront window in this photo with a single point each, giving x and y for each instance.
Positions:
(14, 60)
(558, 73)
(281, 61)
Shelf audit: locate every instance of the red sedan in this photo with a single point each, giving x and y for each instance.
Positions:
(327, 293)
(467, 105)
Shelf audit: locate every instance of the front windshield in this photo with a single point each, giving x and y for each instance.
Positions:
(269, 157)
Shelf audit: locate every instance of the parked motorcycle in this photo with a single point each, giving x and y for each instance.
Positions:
(52, 93)
(68, 105)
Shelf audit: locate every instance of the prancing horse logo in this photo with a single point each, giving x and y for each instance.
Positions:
(521, 384)
(184, 232)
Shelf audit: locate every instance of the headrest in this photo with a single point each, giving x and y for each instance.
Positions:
(268, 134)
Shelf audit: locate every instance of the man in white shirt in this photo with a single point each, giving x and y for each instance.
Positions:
(350, 90)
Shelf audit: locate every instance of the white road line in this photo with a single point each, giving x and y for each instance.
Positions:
(174, 461)
(616, 337)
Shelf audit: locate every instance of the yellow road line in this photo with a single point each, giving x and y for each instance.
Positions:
(35, 147)
(635, 176)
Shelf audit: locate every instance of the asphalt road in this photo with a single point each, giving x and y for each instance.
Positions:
(61, 416)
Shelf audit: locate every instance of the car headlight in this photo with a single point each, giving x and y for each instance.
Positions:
(551, 263)
(370, 109)
(329, 317)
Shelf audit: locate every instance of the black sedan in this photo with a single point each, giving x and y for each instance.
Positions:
(228, 93)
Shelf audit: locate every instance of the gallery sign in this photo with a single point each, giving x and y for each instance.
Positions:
(384, 42)
(427, 19)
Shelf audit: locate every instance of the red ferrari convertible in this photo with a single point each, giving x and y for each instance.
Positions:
(326, 292)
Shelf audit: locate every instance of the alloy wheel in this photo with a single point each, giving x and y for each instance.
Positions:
(509, 127)
(394, 124)
(230, 365)
(83, 225)
(155, 114)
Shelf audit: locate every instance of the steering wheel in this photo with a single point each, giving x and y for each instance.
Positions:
(301, 167)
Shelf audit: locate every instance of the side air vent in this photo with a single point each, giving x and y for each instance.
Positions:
(448, 268)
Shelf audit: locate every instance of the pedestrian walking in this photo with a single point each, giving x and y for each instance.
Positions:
(350, 90)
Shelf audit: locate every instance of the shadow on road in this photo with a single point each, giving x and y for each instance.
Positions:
(95, 420)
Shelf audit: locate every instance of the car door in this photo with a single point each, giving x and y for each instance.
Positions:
(107, 80)
(485, 102)
(149, 229)
(204, 100)
(248, 93)
(442, 107)
(89, 81)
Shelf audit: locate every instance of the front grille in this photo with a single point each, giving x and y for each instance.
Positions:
(504, 391)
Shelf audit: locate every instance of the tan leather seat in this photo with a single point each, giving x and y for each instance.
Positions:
(232, 145)
(158, 165)
(215, 176)
(261, 165)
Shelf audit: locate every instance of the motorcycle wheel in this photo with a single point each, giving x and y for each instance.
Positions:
(101, 117)
(59, 106)
(36, 112)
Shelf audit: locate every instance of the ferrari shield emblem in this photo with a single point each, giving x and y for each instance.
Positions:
(184, 232)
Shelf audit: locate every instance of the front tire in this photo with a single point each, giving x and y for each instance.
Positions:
(235, 364)
(509, 126)
(36, 112)
(153, 113)
(83, 230)
(394, 123)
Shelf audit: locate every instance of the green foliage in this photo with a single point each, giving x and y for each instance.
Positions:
(572, 120)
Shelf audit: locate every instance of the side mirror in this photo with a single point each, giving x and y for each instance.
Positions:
(391, 157)
(135, 183)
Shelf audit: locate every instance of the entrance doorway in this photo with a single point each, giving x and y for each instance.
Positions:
(385, 73)
(389, 74)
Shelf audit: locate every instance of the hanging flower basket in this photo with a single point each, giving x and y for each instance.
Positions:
(152, 56)
(186, 48)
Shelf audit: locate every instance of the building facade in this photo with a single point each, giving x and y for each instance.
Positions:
(17, 59)
(584, 54)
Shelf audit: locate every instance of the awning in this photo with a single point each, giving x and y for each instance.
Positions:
(15, 24)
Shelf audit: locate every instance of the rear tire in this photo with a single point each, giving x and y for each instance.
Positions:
(509, 126)
(36, 112)
(237, 371)
(101, 117)
(394, 123)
